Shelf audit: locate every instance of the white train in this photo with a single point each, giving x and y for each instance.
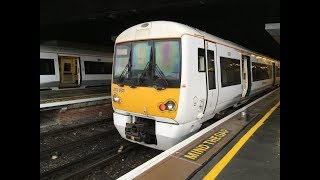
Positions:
(71, 67)
(169, 78)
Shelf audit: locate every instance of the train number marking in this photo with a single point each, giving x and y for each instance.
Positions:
(120, 90)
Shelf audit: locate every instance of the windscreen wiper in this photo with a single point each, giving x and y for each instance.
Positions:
(144, 73)
(123, 74)
(146, 68)
(160, 83)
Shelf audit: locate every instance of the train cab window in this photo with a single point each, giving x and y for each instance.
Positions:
(47, 67)
(167, 58)
(230, 71)
(261, 71)
(122, 57)
(146, 63)
(141, 56)
(211, 70)
(201, 60)
(278, 71)
(92, 67)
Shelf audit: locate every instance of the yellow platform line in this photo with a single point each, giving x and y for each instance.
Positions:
(215, 171)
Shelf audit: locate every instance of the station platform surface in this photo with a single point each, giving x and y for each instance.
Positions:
(75, 95)
(243, 145)
(258, 158)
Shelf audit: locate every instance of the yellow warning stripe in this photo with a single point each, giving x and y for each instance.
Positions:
(215, 171)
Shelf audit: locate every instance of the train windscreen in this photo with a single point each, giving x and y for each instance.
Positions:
(144, 63)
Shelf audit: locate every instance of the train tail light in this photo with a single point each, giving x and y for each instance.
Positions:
(162, 107)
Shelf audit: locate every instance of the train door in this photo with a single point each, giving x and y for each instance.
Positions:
(196, 70)
(69, 71)
(78, 71)
(246, 76)
(274, 73)
(249, 72)
(211, 78)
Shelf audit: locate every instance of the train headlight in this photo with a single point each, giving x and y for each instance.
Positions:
(115, 98)
(170, 105)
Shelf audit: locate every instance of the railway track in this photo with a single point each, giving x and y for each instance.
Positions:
(73, 128)
(65, 147)
(102, 162)
(85, 165)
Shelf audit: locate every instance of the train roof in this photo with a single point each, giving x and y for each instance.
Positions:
(75, 51)
(169, 29)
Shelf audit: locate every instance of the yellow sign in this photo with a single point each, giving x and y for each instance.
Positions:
(132, 138)
(198, 151)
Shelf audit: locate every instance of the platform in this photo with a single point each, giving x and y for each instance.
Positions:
(258, 158)
(62, 97)
(239, 146)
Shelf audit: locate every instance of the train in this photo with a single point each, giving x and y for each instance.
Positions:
(73, 67)
(169, 78)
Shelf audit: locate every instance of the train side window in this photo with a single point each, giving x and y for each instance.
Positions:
(261, 71)
(47, 67)
(109, 67)
(211, 70)
(230, 71)
(92, 67)
(201, 60)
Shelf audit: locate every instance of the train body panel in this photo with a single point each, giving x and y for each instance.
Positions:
(134, 100)
(230, 92)
(192, 106)
(94, 79)
(52, 79)
(257, 84)
(277, 74)
(210, 75)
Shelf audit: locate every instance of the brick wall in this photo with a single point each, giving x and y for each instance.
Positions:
(84, 114)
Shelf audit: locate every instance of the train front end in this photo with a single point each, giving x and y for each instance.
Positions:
(146, 88)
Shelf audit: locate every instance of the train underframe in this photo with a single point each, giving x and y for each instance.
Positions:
(153, 133)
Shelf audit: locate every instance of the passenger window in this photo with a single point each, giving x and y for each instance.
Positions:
(92, 67)
(211, 70)
(47, 67)
(201, 60)
(261, 71)
(230, 71)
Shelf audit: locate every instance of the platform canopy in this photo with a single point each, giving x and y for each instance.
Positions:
(274, 30)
